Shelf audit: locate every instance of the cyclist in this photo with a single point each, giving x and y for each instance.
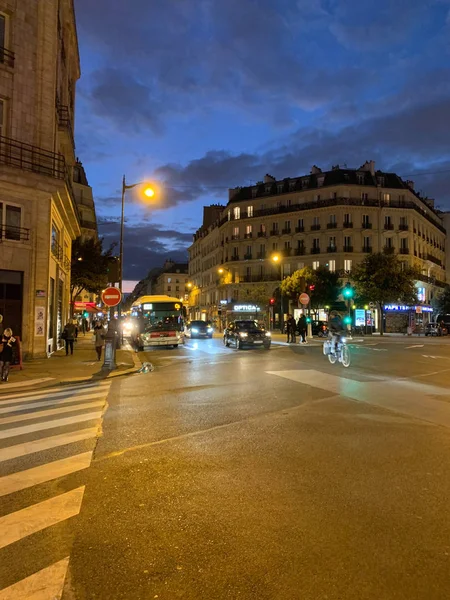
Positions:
(335, 328)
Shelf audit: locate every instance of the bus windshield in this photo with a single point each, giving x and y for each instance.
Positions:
(161, 313)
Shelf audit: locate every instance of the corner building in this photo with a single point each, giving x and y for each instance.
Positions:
(39, 67)
(332, 218)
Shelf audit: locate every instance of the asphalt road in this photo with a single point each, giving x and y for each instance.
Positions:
(260, 475)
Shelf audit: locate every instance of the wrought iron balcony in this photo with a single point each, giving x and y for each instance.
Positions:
(286, 230)
(403, 250)
(389, 249)
(7, 57)
(248, 236)
(274, 232)
(315, 250)
(234, 257)
(367, 249)
(348, 248)
(65, 121)
(348, 224)
(315, 227)
(16, 234)
(403, 227)
(388, 226)
(261, 234)
(299, 229)
(247, 257)
(331, 249)
(434, 260)
(366, 225)
(235, 237)
(331, 225)
(261, 255)
(57, 251)
(301, 251)
(31, 158)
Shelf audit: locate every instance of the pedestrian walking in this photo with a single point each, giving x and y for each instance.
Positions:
(301, 328)
(291, 329)
(69, 336)
(99, 338)
(84, 326)
(6, 352)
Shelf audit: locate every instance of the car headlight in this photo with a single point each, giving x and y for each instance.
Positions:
(243, 334)
(210, 329)
(194, 330)
(268, 334)
(343, 340)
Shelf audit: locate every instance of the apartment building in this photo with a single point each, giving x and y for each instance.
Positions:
(39, 67)
(172, 281)
(331, 218)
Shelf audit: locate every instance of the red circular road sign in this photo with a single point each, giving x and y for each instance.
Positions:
(304, 299)
(111, 296)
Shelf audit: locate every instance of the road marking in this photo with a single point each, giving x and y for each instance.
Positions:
(39, 414)
(22, 523)
(415, 346)
(440, 357)
(52, 470)
(12, 406)
(59, 391)
(28, 383)
(56, 423)
(47, 443)
(46, 584)
(408, 397)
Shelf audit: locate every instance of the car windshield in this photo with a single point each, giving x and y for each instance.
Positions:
(247, 325)
(198, 324)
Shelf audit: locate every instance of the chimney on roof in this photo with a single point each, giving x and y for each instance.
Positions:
(410, 184)
(369, 165)
(315, 170)
(335, 167)
(269, 178)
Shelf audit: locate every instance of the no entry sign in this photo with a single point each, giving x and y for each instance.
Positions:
(111, 296)
(304, 299)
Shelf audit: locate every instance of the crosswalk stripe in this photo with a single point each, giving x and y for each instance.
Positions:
(47, 443)
(11, 407)
(22, 523)
(36, 475)
(60, 391)
(46, 584)
(49, 413)
(15, 431)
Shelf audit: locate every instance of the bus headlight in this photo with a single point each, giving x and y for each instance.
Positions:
(243, 334)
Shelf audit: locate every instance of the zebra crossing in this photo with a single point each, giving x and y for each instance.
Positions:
(47, 439)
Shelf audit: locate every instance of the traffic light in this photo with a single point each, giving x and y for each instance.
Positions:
(113, 269)
(308, 319)
(348, 292)
(311, 287)
(272, 301)
(348, 320)
(85, 314)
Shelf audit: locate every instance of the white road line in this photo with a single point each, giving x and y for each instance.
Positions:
(408, 397)
(16, 431)
(47, 443)
(79, 389)
(52, 470)
(22, 523)
(13, 407)
(415, 346)
(46, 584)
(20, 384)
(49, 413)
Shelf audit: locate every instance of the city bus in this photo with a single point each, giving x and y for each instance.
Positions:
(157, 321)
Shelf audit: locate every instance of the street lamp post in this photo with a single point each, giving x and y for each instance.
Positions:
(276, 258)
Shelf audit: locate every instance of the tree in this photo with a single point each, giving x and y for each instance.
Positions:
(441, 302)
(295, 284)
(325, 286)
(89, 269)
(259, 294)
(384, 279)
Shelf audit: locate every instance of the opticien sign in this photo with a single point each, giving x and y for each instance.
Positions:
(246, 308)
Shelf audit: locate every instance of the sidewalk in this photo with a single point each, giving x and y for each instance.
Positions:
(82, 366)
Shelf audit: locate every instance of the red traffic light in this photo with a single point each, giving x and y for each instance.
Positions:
(312, 288)
(272, 301)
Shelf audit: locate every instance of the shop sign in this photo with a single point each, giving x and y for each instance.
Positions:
(40, 293)
(402, 308)
(251, 308)
(360, 317)
(224, 302)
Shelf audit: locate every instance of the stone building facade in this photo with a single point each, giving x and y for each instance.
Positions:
(331, 219)
(39, 67)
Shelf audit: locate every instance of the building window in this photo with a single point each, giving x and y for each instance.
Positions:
(235, 232)
(317, 197)
(177, 288)
(248, 229)
(387, 222)
(347, 265)
(287, 225)
(237, 212)
(229, 215)
(10, 221)
(169, 280)
(366, 242)
(332, 242)
(316, 221)
(250, 211)
(316, 243)
(360, 179)
(274, 226)
(347, 241)
(404, 243)
(286, 269)
(254, 192)
(315, 265)
(386, 197)
(275, 246)
(169, 288)
(389, 242)
(2, 116)
(365, 220)
(332, 266)
(287, 245)
(300, 265)
(262, 228)
(332, 219)
(347, 219)
(364, 196)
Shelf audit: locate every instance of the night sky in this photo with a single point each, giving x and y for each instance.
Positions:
(209, 94)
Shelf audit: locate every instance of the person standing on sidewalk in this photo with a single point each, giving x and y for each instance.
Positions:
(302, 327)
(6, 353)
(68, 336)
(99, 338)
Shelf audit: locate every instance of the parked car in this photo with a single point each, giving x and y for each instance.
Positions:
(198, 329)
(433, 329)
(246, 333)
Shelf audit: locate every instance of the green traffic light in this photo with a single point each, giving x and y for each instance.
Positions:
(348, 292)
(347, 320)
(308, 319)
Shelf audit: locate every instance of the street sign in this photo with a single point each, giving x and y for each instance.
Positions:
(304, 299)
(111, 296)
(372, 305)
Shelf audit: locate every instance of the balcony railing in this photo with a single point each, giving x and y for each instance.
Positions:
(299, 229)
(247, 257)
(403, 227)
(234, 257)
(348, 224)
(331, 225)
(248, 236)
(235, 237)
(388, 226)
(403, 250)
(274, 232)
(7, 57)
(432, 280)
(315, 227)
(367, 249)
(315, 250)
(261, 255)
(286, 231)
(366, 225)
(348, 248)
(261, 234)
(31, 158)
(300, 251)
(258, 278)
(331, 249)
(388, 249)
(16, 234)
(57, 251)
(434, 260)
(64, 121)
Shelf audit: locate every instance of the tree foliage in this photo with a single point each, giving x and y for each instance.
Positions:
(89, 269)
(325, 282)
(441, 302)
(383, 279)
(259, 294)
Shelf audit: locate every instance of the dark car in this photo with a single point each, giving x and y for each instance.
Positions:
(239, 334)
(198, 329)
(319, 328)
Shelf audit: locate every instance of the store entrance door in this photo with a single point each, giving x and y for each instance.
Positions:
(11, 300)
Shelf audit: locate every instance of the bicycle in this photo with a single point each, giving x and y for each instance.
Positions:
(341, 353)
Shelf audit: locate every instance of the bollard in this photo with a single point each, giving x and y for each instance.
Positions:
(109, 362)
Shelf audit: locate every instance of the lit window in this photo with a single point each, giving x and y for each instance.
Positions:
(347, 265)
(250, 211)
(315, 265)
(237, 212)
(332, 266)
(386, 197)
